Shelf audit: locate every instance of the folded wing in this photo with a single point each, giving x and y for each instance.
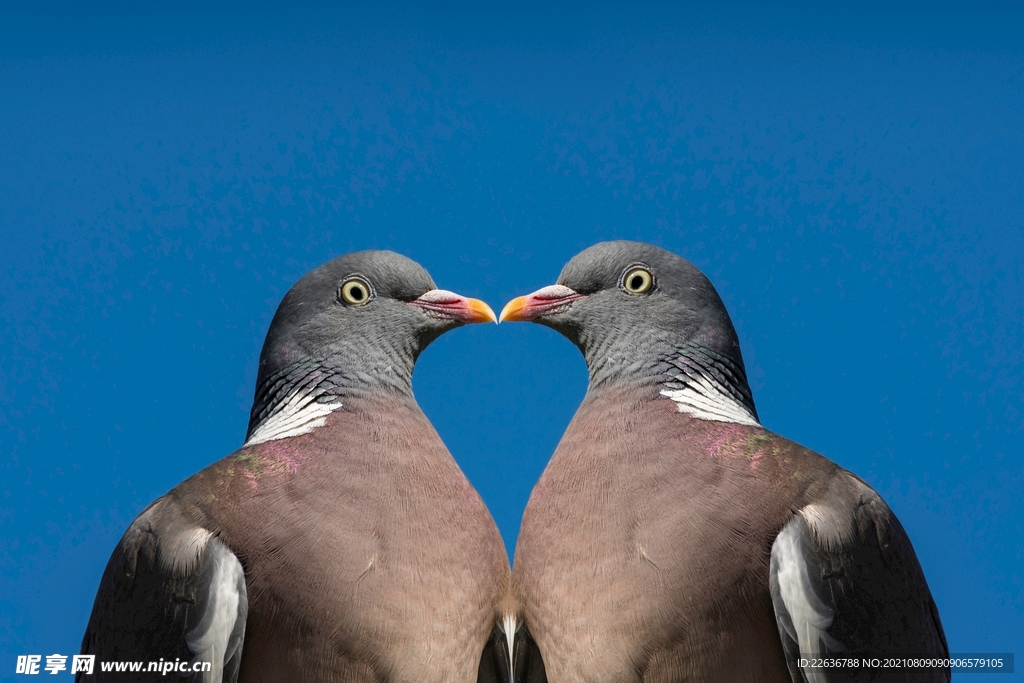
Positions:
(172, 591)
(845, 581)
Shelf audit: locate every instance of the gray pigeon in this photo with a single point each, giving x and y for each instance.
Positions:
(671, 536)
(341, 542)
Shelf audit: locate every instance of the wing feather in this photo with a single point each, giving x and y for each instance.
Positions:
(171, 591)
(844, 579)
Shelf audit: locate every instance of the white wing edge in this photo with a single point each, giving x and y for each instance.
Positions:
(218, 636)
(809, 617)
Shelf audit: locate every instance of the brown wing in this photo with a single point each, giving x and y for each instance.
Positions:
(845, 581)
(171, 591)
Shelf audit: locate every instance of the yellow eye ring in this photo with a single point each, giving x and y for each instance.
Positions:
(355, 292)
(638, 281)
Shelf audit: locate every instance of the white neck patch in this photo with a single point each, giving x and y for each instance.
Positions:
(299, 414)
(701, 399)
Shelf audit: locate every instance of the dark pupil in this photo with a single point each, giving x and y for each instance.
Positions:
(357, 293)
(636, 282)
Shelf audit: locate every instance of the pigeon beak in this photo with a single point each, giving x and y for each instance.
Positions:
(441, 303)
(545, 301)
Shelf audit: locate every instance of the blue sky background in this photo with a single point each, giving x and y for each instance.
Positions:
(850, 180)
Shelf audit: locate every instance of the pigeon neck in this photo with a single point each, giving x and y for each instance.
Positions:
(298, 398)
(703, 382)
(706, 384)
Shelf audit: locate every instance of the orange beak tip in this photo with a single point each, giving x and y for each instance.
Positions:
(513, 310)
(481, 312)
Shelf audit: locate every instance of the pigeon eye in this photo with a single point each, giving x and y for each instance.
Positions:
(354, 292)
(638, 281)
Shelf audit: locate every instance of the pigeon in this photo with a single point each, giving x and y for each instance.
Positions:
(671, 536)
(341, 542)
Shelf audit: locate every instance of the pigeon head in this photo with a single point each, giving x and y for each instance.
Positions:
(354, 325)
(640, 313)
